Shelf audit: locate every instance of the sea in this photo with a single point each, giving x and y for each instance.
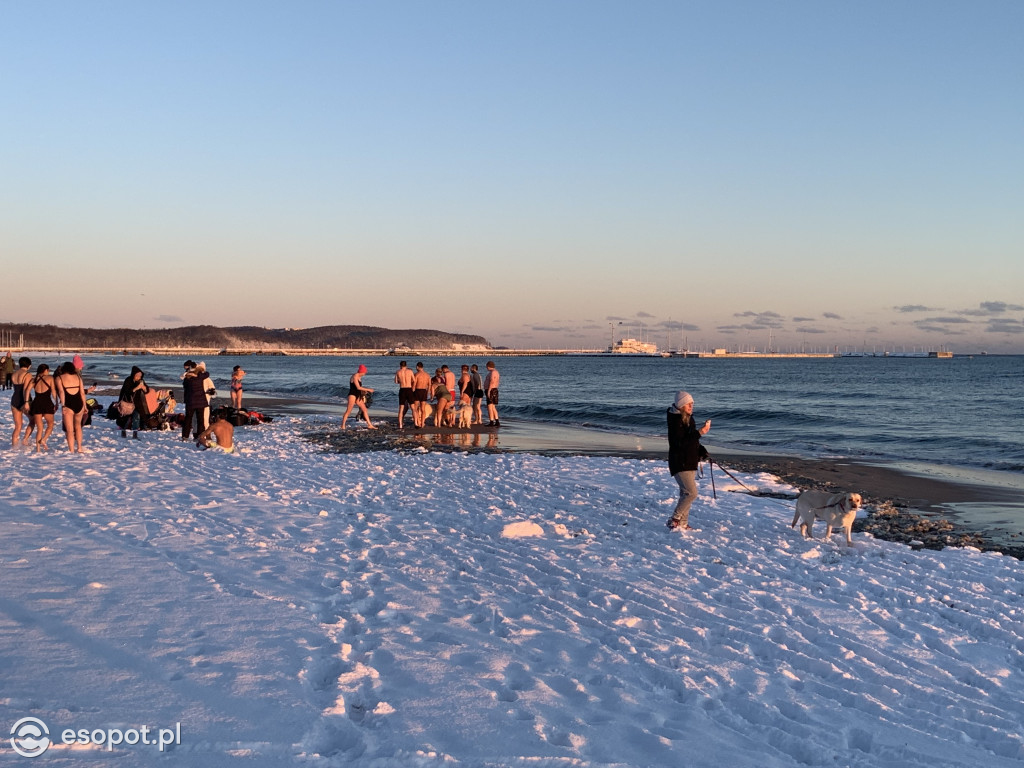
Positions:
(965, 412)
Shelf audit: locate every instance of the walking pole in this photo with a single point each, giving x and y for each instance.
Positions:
(711, 471)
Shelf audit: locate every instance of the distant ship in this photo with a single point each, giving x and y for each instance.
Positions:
(635, 348)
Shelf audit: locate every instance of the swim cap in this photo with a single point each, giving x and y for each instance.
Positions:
(362, 369)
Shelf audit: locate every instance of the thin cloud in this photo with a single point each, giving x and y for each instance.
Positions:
(923, 326)
(946, 320)
(168, 319)
(1005, 325)
(915, 308)
(803, 319)
(832, 316)
(675, 325)
(810, 330)
(989, 308)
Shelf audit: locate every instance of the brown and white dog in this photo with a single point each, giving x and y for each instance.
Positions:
(838, 510)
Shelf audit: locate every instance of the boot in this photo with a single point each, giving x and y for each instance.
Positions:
(135, 434)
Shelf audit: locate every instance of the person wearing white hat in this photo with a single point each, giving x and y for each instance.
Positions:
(684, 455)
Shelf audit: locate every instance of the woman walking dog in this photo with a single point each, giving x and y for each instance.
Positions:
(685, 454)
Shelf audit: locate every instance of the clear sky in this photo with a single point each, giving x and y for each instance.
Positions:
(818, 173)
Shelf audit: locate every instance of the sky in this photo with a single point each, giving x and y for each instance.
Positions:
(800, 174)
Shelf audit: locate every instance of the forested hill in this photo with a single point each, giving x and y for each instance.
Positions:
(323, 337)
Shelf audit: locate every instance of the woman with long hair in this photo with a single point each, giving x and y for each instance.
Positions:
(357, 396)
(41, 406)
(133, 388)
(71, 391)
(684, 455)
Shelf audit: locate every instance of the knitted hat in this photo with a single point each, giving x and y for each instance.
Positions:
(682, 398)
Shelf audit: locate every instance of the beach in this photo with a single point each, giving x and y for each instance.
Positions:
(912, 506)
(299, 603)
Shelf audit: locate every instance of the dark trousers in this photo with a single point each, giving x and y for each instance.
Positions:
(202, 417)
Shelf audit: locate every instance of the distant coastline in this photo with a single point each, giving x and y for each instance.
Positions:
(209, 339)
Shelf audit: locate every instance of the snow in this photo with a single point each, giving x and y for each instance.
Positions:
(293, 607)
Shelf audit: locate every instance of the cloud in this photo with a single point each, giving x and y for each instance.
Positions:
(923, 326)
(168, 319)
(744, 327)
(832, 316)
(989, 308)
(810, 330)
(802, 319)
(762, 320)
(1004, 325)
(644, 314)
(946, 320)
(612, 319)
(914, 308)
(552, 328)
(675, 325)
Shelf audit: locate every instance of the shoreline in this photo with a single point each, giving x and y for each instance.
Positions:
(904, 505)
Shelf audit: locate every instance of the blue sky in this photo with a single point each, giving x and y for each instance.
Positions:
(817, 173)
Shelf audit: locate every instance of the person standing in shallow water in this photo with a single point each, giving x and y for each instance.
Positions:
(403, 378)
(357, 397)
(685, 454)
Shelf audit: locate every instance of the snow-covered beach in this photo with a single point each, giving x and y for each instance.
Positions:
(290, 607)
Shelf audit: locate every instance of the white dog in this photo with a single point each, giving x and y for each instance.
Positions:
(838, 510)
(466, 415)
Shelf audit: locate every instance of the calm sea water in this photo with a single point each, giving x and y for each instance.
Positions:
(964, 412)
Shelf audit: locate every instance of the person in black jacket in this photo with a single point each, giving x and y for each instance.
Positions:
(195, 382)
(685, 454)
(133, 388)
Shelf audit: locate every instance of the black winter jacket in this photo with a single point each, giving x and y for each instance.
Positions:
(685, 452)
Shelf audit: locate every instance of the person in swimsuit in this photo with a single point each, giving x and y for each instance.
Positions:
(223, 432)
(71, 392)
(491, 384)
(420, 394)
(19, 402)
(42, 407)
(477, 385)
(444, 398)
(403, 378)
(356, 393)
(236, 387)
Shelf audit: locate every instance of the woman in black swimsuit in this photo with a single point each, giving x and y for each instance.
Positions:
(42, 407)
(356, 395)
(19, 402)
(71, 391)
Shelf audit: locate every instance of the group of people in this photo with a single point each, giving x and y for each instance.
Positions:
(136, 401)
(36, 397)
(198, 391)
(442, 395)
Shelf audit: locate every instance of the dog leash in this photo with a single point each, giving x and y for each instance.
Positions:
(751, 491)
